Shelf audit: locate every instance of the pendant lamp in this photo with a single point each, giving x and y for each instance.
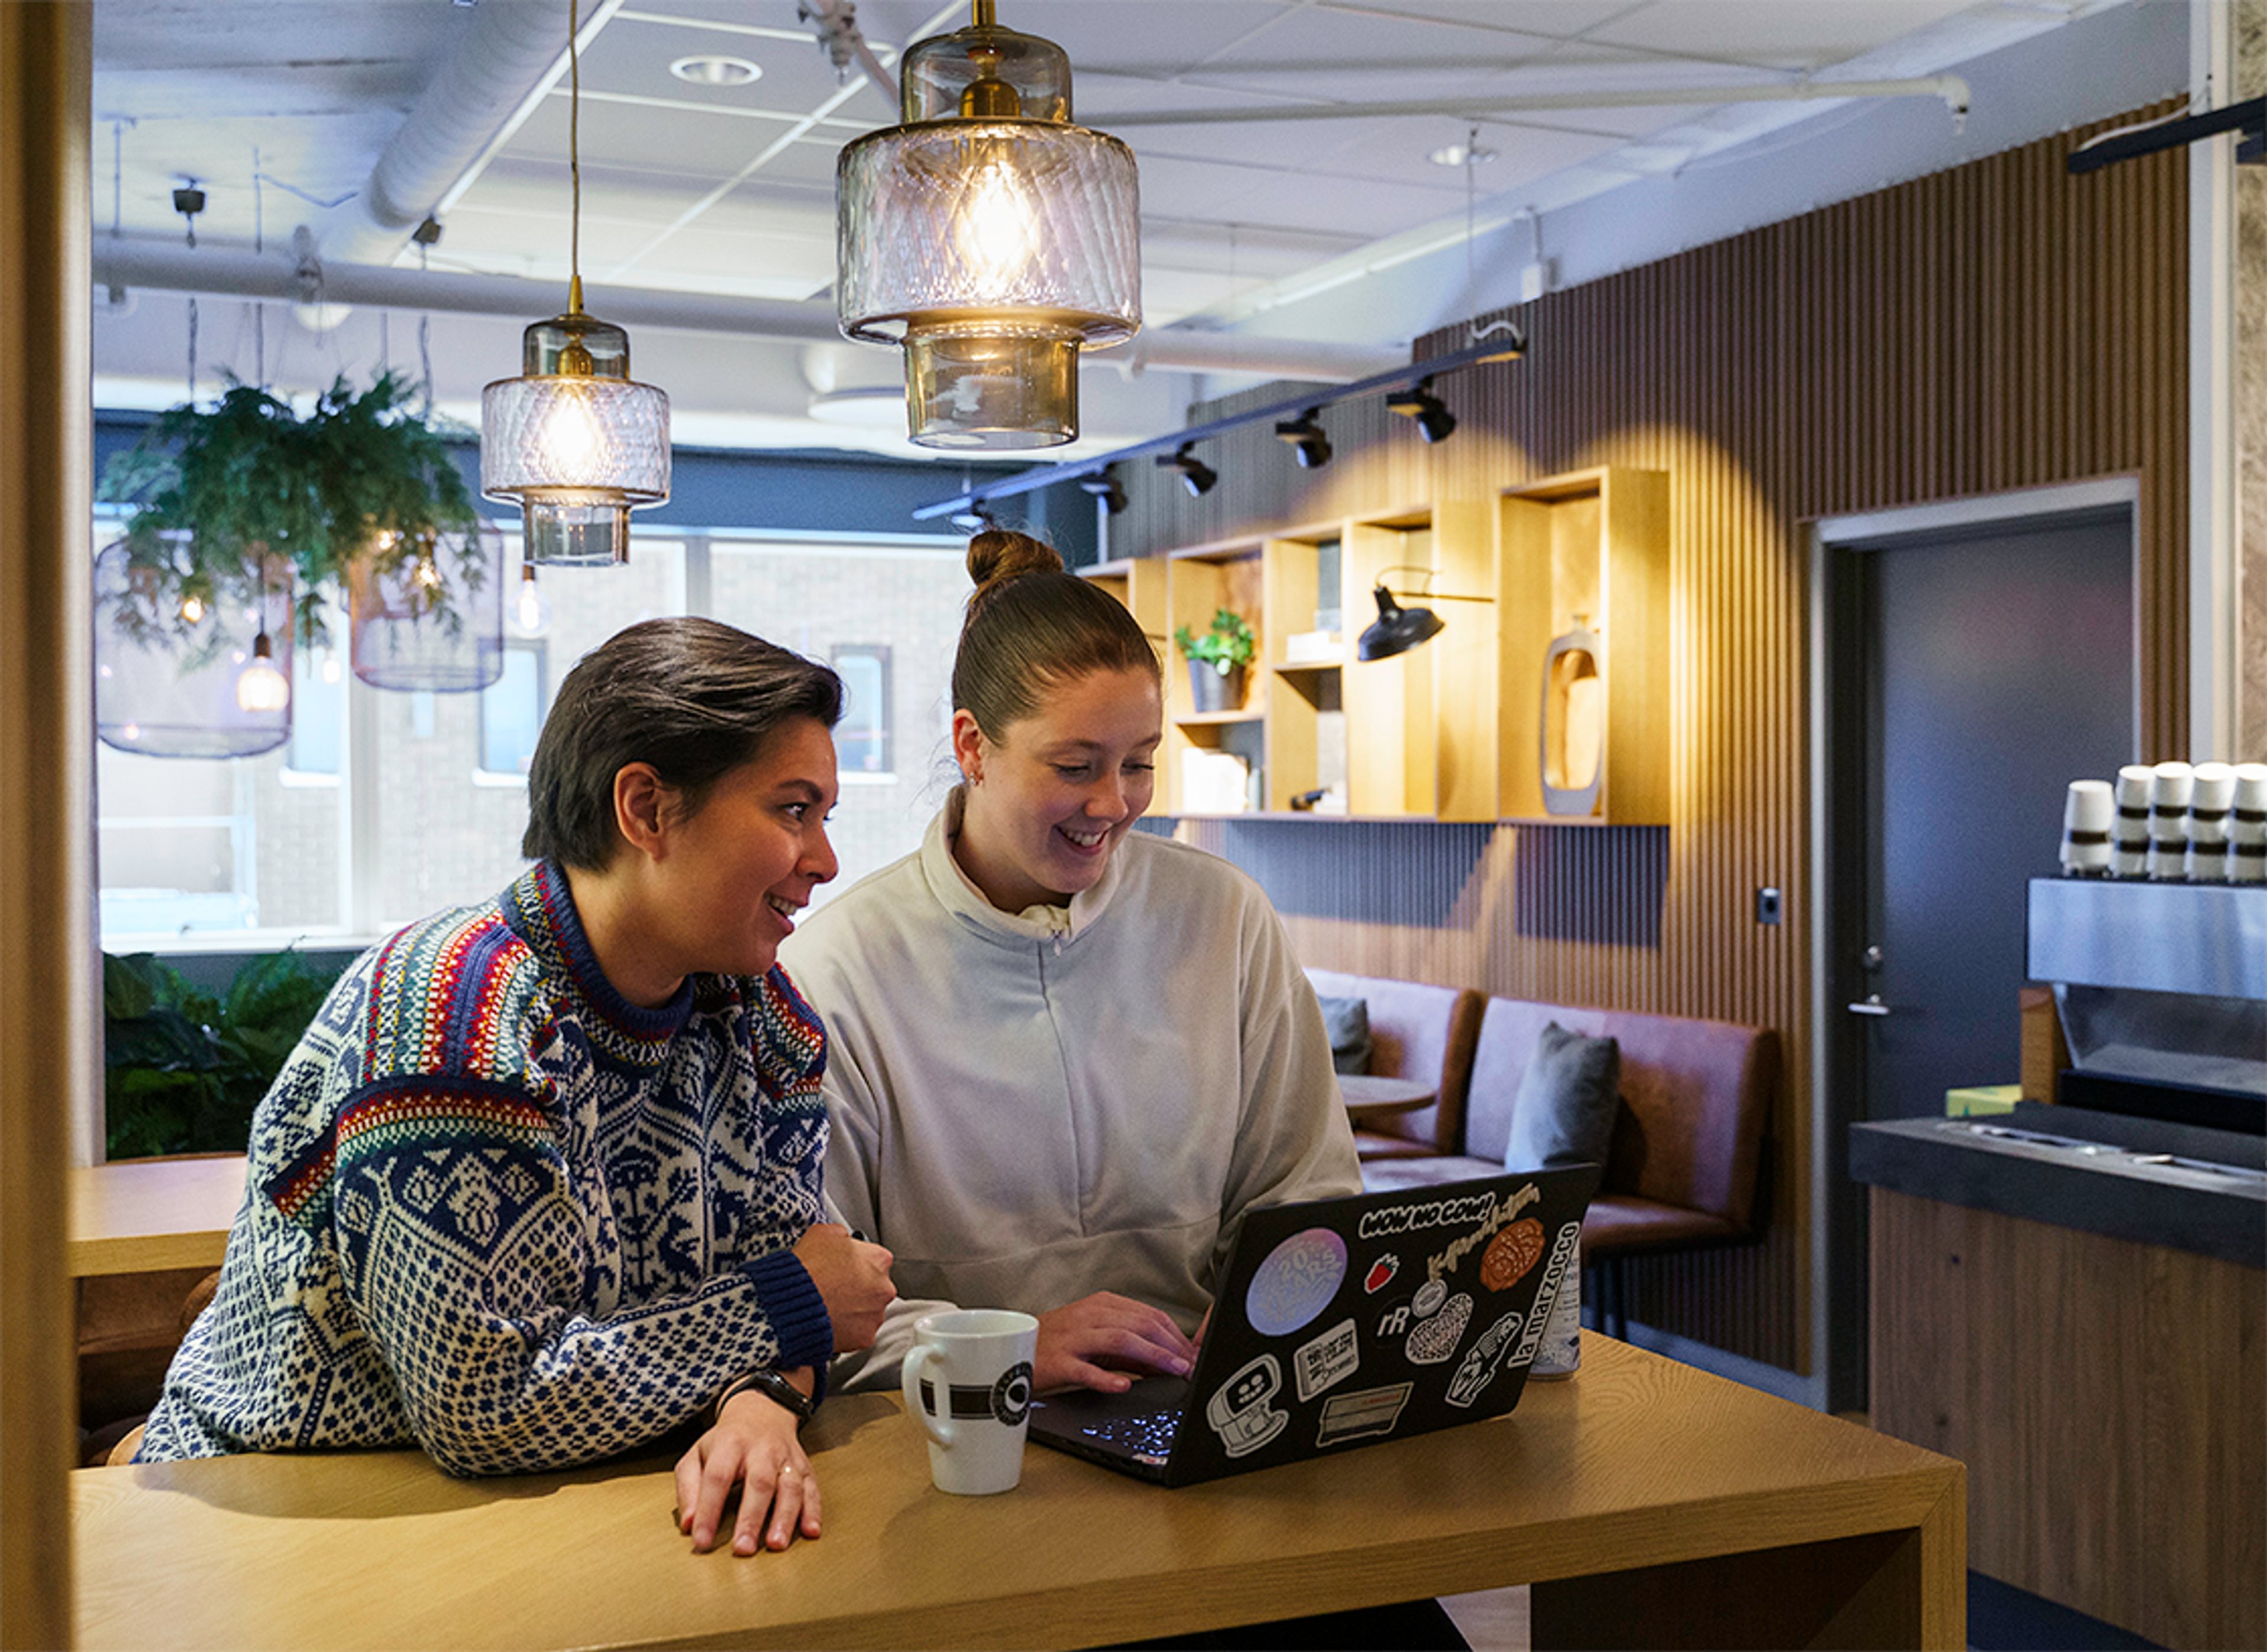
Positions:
(574, 441)
(991, 238)
(428, 611)
(191, 676)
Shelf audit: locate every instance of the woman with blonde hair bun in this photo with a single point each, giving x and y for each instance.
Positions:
(1065, 1057)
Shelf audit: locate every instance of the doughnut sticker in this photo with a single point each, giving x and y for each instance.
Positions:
(1509, 1255)
(1296, 1282)
(1328, 1360)
(1430, 1295)
(1483, 1361)
(1381, 1273)
(1359, 1416)
(1435, 1339)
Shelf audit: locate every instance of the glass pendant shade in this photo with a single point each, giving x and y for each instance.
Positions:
(178, 677)
(991, 238)
(428, 614)
(575, 442)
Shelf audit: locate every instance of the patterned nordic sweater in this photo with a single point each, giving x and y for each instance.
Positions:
(497, 1210)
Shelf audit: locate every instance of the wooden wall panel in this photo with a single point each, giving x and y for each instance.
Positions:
(2000, 325)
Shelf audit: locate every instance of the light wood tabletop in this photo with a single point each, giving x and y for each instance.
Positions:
(1651, 1504)
(147, 1216)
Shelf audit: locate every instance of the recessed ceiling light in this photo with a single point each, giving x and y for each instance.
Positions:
(1457, 154)
(711, 70)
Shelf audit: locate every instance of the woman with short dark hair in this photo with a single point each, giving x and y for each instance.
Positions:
(540, 1183)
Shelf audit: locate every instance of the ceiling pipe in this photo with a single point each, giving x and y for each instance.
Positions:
(167, 265)
(1950, 88)
(513, 53)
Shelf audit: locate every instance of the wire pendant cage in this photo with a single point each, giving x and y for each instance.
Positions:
(180, 672)
(428, 612)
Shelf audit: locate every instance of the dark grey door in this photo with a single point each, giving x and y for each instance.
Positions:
(1979, 671)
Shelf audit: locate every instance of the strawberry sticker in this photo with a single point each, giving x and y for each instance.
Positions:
(1381, 1274)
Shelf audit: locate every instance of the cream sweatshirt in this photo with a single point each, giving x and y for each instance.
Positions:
(1030, 1107)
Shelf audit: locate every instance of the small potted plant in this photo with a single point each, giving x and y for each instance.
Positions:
(1217, 659)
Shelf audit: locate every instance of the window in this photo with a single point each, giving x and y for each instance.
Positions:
(318, 716)
(862, 739)
(511, 712)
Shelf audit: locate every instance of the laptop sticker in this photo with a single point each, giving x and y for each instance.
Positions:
(1359, 1416)
(1554, 1274)
(1381, 1273)
(1238, 1409)
(1490, 1219)
(1436, 1339)
(1328, 1360)
(1430, 1295)
(1393, 1321)
(1511, 1253)
(1482, 1361)
(1296, 1282)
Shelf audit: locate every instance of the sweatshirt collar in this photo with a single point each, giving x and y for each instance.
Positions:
(959, 894)
(540, 908)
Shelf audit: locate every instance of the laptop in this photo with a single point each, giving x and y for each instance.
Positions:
(1343, 1322)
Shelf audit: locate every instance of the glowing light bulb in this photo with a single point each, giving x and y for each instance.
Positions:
(530, 612)
(428, 572)
(332, 670)
(132, 730)
(570, 444)
(998, 235)
(260, 687)
(193, 609)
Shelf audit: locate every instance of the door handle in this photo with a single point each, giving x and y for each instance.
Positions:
(1872, 1006)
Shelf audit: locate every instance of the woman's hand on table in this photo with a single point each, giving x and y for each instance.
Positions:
(751, 1445)
(1095, 1341)
(853, 1277)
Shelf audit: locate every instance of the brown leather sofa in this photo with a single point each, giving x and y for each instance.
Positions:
(1416, 1032)
(1682, 1169)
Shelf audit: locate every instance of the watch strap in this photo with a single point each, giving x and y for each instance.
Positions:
(775, 1386)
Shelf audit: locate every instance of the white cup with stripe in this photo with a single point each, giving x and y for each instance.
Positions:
(2211, 804)
(2247, 825)
(2087, 815)
(2169, 789)
(2129, 848)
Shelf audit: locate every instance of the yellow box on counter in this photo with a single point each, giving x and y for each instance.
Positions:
(1980, 1100)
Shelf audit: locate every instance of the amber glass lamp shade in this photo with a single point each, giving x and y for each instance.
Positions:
(185, 678)
(428, 611)
(991, 238)
(575, 442)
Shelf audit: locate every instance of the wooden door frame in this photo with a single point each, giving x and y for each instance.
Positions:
(1836, 714)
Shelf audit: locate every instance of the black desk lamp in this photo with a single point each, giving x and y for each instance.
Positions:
(1397, 629)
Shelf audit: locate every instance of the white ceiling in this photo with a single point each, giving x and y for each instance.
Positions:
(730, 190)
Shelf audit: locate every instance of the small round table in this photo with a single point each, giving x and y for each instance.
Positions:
(1374, 1095)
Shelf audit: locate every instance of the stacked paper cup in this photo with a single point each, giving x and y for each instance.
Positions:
(2130, 853)
(2247, 825)
(2209, 803)
(2087, 815)
(2169, 813)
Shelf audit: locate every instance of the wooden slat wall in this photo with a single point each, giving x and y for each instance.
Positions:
(1999, 325)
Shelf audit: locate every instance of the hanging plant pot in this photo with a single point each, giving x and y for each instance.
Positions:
(179, 670)
(428, 611)
(1214, 690)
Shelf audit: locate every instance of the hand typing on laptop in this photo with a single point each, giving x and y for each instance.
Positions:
(1095, 1341)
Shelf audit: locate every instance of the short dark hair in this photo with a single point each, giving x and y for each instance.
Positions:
(1030, 626)
(694, 698)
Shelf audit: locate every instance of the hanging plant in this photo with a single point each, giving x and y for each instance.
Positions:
(221, 491)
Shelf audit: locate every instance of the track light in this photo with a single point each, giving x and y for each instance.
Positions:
(1104, 486)
(1196, 476)
(1309, 444)
(1434, 420)
(976, 519)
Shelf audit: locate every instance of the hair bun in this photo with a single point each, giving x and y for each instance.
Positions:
(999, 554)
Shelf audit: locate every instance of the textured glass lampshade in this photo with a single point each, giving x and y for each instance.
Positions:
(574, 441)
(429, 615)
(991, 239)
(166, 673)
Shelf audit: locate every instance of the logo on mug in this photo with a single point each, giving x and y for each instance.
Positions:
(1011, 1395)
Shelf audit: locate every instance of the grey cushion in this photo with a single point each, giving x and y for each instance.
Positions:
(1348, 1021)
(1567, 1101)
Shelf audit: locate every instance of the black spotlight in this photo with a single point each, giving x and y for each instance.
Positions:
(1104, 486)
(976, 519)
(1309, 444)
(1434, 420)
(1397, 629)
(1196, 476)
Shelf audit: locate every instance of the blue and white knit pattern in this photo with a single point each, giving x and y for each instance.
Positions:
(496, 1210)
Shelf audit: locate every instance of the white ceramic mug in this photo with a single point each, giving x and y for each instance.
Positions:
(967, 1382)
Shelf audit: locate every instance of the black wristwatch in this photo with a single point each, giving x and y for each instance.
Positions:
(773, 1385)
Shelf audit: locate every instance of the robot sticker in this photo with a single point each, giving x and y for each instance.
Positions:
(1381, 1273)
(1327, 1360)
(1296, 1282)
(1393, 1322)
(1239, 1410)
(1430, 1295)
(1358, 1416)
(1435, 1339)
(1482, 1361)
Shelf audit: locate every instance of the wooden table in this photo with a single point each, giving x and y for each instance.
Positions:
(1649, 1503)
(1375, 1095)
(150, 1216)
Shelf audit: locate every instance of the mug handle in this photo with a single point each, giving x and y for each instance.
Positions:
(922, 1356)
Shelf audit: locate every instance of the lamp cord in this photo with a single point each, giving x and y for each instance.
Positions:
(574, 158)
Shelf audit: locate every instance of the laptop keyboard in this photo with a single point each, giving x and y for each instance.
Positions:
(1146, 1436)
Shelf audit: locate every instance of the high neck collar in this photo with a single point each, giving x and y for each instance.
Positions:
(957, 892)
(540, 908)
